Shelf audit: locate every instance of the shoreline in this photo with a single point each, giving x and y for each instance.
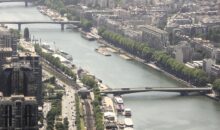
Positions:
(125, 55)
(152, 66)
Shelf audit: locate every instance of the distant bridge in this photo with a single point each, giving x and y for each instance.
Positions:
(62, 23)
(182, 91)
(25, 1)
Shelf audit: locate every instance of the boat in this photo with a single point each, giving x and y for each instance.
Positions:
(88, 37)
(127, 112)
(121, 124)
(128, 122)
(118, 100)
(119, 104)
(102, 51)
(66, 55)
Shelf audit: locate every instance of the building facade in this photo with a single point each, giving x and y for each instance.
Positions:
(15, 79)
(155, 37)
(18, 113)
(33, 59)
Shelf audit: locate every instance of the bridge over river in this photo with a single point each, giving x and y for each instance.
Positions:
(182, 91)
(25, 1)
(19, 23)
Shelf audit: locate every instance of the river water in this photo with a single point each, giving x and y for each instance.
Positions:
(150, 111)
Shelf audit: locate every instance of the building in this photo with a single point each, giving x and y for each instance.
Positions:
(15, 79)
(33, 59)
(8, 39)
(155, 37)
(217, 55)
(215, 70)
(18, 113)
(207, 64)
(4, 53)
(183, 52)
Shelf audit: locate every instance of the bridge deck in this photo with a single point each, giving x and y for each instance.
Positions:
(39, 22)
(161, 89)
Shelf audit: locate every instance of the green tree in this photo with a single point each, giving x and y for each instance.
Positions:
(26, 34)
(66, 124)
(55, 61)
(15, 33)
(59, 126)
(89, 81)
(216, 87)
(216, 84)
(86, 24)
(63, 11)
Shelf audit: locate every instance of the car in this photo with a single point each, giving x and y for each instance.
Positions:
(125, 88)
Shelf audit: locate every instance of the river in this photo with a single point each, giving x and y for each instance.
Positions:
(150, 111)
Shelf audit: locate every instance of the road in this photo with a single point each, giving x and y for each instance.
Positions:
(68, 106)
(88, 117)
(68, 99)
(46, 109)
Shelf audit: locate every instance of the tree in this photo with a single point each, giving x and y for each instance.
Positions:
(86, 24)
(59, 126)
(15, 33)
(216, 87)
(89, 81)
(26, 34)
(118, 2)
(216, 84)
(63, 11)
(66, 124)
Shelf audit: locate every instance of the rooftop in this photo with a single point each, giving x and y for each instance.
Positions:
(6, 49)
(152, 28)
(27, 54)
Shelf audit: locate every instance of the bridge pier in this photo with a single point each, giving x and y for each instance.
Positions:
(19, 27)
(26, 3)
(62, 27)
(183, 93)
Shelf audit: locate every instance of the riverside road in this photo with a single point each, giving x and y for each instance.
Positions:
(151, 110)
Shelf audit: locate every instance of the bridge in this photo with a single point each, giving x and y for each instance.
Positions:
(182, 91)
(62, 23)
(25, 1)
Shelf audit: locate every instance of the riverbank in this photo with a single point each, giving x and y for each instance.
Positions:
(153, 66)
(113, 111)
(53, 14)
(123, 54)
(118, 73)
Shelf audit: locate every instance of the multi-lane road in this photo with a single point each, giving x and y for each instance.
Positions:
(68, 106)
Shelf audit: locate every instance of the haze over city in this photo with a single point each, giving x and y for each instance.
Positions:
(109, 64)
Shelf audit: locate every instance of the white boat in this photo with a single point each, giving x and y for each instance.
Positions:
(118, 100)
(128, 122)
(127, 112)
(119, 104)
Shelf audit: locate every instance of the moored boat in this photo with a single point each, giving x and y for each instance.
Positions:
(127, 112)
(128, 122)
(119, 104)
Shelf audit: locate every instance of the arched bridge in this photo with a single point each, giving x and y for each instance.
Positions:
(25, 1)
(182, 91)
(19, 23)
